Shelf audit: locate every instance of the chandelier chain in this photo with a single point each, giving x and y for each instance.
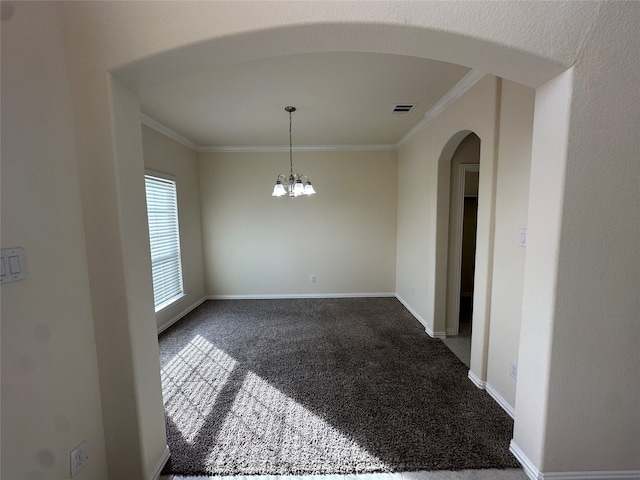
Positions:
(290, 145)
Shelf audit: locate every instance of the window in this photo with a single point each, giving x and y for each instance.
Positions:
(164, 235)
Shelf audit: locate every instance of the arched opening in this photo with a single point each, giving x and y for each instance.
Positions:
(122, 112)
(463, 216)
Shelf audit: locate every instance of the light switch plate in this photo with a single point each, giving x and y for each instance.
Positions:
(522, 237)
(12, 265)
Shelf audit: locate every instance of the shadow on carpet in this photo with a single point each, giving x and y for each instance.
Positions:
(321, 386)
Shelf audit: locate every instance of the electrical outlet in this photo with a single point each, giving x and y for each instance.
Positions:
(78, 458)
(312, 279)
(513, 369)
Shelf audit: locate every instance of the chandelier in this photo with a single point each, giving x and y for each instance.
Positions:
(293, 185)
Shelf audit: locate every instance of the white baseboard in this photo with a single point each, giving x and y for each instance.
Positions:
(534, 474)
(527, 465)
(481, 384)
(300, 295)
(180, 315)
(155, 475)
(501, 401)
(424, 323)
(427, 328)
(600, 475)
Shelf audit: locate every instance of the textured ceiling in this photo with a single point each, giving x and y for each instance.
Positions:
(342, 99)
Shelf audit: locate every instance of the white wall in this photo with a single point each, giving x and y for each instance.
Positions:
(259, 245)
(50, 391)
(164, 155)
(121, 289)
(580, 371)
(512, 201)
(540, 283)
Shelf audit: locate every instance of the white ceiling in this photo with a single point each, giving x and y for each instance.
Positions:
(341, 99)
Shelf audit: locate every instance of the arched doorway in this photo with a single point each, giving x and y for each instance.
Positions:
(463, 210)
(116, 107)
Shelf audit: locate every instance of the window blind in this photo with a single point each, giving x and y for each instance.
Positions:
(164, 236)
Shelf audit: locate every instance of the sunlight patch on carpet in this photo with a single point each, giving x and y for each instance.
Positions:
(191, 383)
(265, 428)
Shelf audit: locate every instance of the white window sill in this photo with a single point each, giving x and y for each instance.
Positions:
(170, 302)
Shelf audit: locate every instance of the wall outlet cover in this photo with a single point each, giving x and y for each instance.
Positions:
(513, 369)
(78, 458)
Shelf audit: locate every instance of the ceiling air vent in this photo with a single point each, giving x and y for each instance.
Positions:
(403, 108)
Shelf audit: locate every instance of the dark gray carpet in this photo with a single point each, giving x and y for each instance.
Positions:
(321, 386)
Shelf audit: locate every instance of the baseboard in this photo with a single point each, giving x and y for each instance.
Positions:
(481, 384)
(604, 475)
(527, 465)
(257, 297)
(180, 315)
(155, 475)
(501, 401)
(300, 295)
(534, 474)
(424, 323)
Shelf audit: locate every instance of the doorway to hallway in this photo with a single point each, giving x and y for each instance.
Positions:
(463, 220)
(460, 344)
(468, 264)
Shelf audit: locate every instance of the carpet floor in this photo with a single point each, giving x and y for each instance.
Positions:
(321, 386)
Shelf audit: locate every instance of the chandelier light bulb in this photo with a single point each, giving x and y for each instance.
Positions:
(308, 189)
(278, 190)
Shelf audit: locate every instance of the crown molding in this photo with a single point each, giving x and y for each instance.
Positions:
(299, 148)
(468, 81)
(157, 126)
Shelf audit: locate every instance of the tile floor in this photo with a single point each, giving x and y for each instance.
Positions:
(460, 344)
(510, 474)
